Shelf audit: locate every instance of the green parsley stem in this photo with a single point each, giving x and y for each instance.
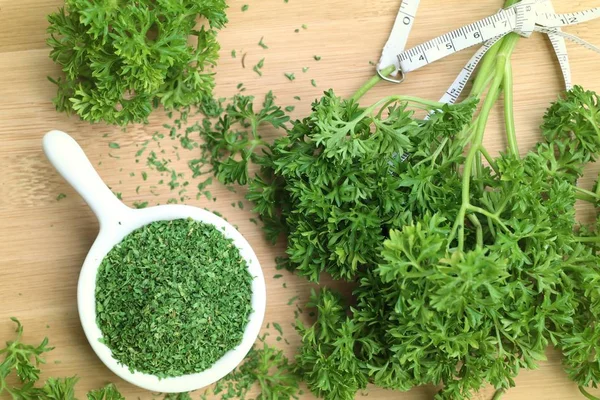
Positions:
(372, 82)
(435, 155)
(485, 74)
(588, 239)
(509, 112)
(587, 395)
(489, 159)
(414, 101)
(498, 395)
(493, 217)
(488, 63)
(475, 221)
(502, 57)
(586, 195)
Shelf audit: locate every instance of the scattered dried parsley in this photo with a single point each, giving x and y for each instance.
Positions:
(262, 44)
(60, 196)
(278, 328)
(257, 68)
(233, 54)
(245, 7)
(290, 76)
(297, 98)
(290, 108)
(305, 69)
(313, 82)
(202, 185)
(172, 298)
(138, 204)
(317, 58)
(114, 145)
(141, 151)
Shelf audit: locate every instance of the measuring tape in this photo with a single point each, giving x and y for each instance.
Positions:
(524, 18)
(560, 49)
(399, 35)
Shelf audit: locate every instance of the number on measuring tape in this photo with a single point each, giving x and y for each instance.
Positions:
(523, 18)
(455, 90)
(400, 33)
(457, 40)
(550, 19)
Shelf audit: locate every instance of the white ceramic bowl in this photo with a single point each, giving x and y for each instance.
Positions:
(116, 221)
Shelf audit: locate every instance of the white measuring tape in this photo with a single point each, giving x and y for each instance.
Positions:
(399, 35)
(524, 18)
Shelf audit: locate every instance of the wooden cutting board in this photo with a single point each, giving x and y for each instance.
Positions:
(43, 241)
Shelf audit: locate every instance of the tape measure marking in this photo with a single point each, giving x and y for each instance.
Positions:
(458, 40)
(560, 49)
(524, 18)
(399, 35)
(457, 87)
(574, 18)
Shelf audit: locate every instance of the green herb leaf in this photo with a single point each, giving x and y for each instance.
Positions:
(121, 61)
(138, 204)
(262, 44)
(257, 68)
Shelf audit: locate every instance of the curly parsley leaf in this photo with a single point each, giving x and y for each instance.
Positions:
(120, 60)
(233, 139)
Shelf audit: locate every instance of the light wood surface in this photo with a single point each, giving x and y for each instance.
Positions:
(43, 241)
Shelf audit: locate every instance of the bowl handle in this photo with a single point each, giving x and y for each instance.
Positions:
(70, 161)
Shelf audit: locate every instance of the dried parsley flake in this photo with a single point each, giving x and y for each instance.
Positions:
(172, 298)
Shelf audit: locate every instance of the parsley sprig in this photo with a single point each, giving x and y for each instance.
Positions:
(123, 58)
(23, 361)
(234, 138)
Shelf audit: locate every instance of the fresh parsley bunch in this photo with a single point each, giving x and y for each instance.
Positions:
(466, 270)
(122, 58)
(22, 361)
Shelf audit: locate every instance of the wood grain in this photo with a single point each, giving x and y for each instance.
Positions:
(43, 242)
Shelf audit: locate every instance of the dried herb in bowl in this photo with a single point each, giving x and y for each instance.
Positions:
(173, 297)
